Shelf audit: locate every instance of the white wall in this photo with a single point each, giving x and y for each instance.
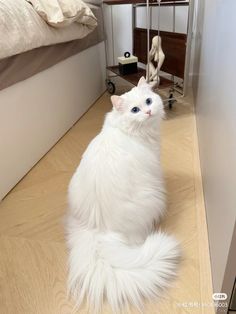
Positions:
(214, 86)
(118, 24)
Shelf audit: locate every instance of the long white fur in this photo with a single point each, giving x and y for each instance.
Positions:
(115, 196)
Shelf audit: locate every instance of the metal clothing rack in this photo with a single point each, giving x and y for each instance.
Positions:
(175, 90)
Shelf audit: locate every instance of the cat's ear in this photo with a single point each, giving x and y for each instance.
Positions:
(142, 82)
(117, 102)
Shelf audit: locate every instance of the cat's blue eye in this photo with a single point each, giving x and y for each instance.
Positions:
(148, 101)
(135, 109)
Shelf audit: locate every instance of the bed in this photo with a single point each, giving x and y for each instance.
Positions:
(43, 92)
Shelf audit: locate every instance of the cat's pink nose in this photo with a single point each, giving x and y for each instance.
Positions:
(149, 112)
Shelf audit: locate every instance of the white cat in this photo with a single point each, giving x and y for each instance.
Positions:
(115, 197)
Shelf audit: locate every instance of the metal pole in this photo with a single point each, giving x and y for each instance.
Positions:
(112, 37)
(158, 29)
(148, 38)
(105, 33)
(174, 11)
(133, 25)
(173, 29)
(188, 46)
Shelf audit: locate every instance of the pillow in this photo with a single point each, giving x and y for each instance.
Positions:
(60, 13)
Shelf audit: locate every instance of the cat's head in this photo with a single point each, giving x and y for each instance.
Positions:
(138, 106)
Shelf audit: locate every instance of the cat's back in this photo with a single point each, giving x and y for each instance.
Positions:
(115, 168)
(113, 152)
(105, 144)
(108, 146)
(106, 157)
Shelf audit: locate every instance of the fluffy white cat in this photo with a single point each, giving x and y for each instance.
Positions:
(115, 197)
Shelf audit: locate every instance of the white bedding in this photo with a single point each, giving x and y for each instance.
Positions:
(22, 29)
(61, 13)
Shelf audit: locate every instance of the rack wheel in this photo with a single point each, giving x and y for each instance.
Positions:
(110, 87)
(171, 101)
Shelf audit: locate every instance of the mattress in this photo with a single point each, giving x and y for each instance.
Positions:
(22, 66)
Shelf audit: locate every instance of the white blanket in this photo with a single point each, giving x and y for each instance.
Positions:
(22, 29)
(61, 13)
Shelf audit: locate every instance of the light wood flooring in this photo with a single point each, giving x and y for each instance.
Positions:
(33, 254)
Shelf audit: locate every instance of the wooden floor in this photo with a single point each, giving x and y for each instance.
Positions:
(33, 255)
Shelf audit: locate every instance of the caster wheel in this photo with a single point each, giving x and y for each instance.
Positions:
(171, 101)
(110, 87)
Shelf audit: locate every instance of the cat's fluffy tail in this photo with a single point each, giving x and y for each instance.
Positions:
(103, 265)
